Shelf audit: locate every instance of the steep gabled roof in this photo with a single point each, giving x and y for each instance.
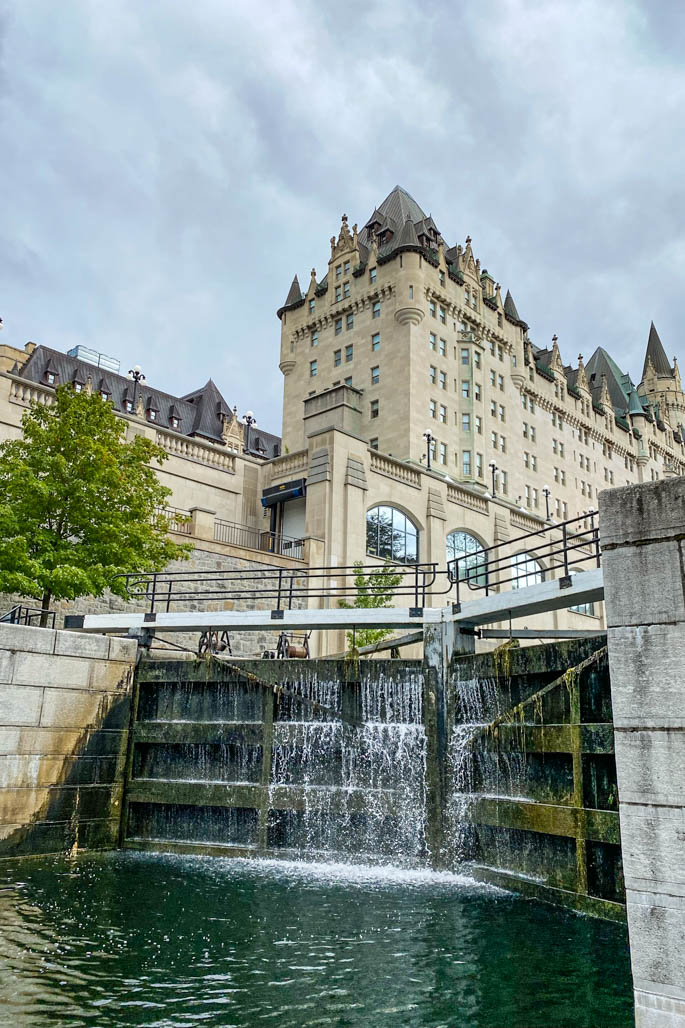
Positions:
(618, 383)
(408, 235)
(656, 354)
(210, 407)
(399, 206)
(294, 293)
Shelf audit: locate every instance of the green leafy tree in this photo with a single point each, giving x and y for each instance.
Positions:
(373, 590)
(78, 504)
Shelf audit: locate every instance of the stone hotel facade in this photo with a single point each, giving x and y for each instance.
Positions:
(404, 334)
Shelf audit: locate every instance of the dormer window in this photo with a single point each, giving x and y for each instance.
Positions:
(128, 406)
(78, 387)
(151, 415)
(105, 395)
(174, 422)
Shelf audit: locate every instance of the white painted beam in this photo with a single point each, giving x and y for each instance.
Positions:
(585, 587)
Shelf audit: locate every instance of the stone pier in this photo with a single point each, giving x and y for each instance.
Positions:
(643, 542)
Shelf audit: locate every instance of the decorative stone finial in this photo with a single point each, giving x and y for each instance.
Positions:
(555, 339)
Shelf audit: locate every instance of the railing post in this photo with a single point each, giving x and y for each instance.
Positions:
(280, 584)
(290, 592)
(595, 537)
(564, 544)
(153, 593)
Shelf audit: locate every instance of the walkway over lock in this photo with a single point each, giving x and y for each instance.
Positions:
(284, 598)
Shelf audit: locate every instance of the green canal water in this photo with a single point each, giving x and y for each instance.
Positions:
(135, 939)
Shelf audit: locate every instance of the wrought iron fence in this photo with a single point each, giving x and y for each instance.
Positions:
(529, 558)
(21, 615)
(254, 539)
(179, 520)
(283, 588)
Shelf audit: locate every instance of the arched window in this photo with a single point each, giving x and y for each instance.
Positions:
(391, 535)
(525, 570)
(473, 569)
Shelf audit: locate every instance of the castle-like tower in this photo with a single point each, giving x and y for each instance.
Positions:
(421, 337)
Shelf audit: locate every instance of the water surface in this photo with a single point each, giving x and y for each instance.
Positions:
(136, 939)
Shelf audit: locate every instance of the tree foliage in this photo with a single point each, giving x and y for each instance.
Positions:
(78, 504)
(373, 590)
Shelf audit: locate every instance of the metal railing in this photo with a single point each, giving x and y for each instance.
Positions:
(255, 539)
(179, 520)
(282, 588)
(529, 558)
(21, 615)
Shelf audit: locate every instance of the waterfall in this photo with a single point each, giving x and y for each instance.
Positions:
(360, 784)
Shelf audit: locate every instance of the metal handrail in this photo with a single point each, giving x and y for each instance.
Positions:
(278, 588)
(235, 534)
(498, 565)
(21, 615)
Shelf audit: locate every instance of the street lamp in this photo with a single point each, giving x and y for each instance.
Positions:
(428, 436)
(248, 420)
(546, 494)
(493, 470)
(136, 376)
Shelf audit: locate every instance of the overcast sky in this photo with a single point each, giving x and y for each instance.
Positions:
(166, 166)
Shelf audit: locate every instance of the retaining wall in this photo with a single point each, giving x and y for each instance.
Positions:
(65, 701)
(643, 545)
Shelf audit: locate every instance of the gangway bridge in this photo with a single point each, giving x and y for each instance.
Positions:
(556, 567)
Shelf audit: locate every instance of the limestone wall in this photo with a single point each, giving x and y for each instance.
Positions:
(64, 717)
(643, 538)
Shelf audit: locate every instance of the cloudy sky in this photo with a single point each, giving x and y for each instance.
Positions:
(166, 166)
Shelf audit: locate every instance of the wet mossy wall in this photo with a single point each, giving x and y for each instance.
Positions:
(533, 774)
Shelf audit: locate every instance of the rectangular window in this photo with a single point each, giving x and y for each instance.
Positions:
(493, 378)
(338, 271)
(346, 267)
(376, 309)
(465, 356)
(474, 299)
(312, 306)
(476, 390)
(315, 339)
(479, 465)
(373, 443)
(349, 353)
(466, 422)
(338, 326)
(346, 289)
(373, 409)
(338, 294)
(375, 375)
(479, 424)
(411, 292)
(503, 482)
(443, 316)
(466, 462)
(500, 353)
(432, 308)
(349, 322)
(442, 278)
(443, 380)
(312, 369)
(433, 341)
(372, 275)
(532, 434)
(525, 429)
(492, 347)
(443, 348)
(502, 444)
(433, 375)
(467, 299)
(476, 358)
(531, 403)
(493, 408)
(500, 382)
(465, 390)
(533, 462)
(493, 440)
(528, 497)
(561, 449)
(443, 453)
(443, 414)
(376, 341)
(502, 413)
(337, 358)
(535, 498)
(433, 409)
(348, 381)
(526, 459)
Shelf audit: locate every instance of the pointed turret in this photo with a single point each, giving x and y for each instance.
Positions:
(294, 293)
(656, 355)
(510, 307)
(408, 235)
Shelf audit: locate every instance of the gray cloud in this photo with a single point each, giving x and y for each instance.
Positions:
(166, 167)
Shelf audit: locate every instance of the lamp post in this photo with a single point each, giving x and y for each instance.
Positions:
(248, 420)
(546, 494)
(136, 376)
(493, 470)
(428, 436)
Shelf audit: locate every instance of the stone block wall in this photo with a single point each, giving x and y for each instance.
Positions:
(65, 702)
(245, 644)
(642, 531)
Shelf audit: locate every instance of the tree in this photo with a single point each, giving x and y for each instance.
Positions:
(78, 504)
(373, 590)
